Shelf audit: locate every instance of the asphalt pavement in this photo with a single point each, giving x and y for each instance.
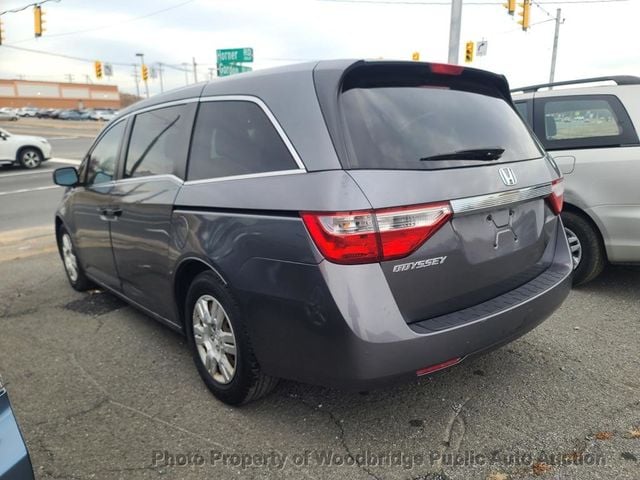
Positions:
(102, 391)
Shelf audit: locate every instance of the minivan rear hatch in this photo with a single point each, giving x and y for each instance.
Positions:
(418, 136)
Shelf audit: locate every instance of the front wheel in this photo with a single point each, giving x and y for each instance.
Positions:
(587, 251)
(30, 158)
(72, 267)
(220, 343)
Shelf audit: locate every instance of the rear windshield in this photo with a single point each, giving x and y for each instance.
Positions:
(401, 127)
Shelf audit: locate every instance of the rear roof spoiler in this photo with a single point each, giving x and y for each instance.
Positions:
(617, 79)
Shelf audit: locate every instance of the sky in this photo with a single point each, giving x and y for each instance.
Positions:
(595, 38)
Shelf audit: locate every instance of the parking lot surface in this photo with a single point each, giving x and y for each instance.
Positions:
(102, 391)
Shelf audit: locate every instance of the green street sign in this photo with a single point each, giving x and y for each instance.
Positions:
(234, 55)
(226, 70)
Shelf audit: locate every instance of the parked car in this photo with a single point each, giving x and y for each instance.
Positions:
(24, 150)
(73, 115)
(343, 223)
(8, 114)
(592, 133)
(104, 115)
(47, 113)
(27, 112)
(15, 463)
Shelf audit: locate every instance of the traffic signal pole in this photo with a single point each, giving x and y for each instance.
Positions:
(454, 31)
(554, 55)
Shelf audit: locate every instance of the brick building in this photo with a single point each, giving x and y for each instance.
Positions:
(27, 93)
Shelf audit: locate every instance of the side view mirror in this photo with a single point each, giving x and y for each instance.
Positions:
(3, 136)
(66, 177)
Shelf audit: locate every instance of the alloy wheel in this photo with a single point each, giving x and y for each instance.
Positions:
(575, 247)
(214, 339)
(69, 258)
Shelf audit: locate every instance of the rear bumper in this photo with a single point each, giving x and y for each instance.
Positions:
(353, 336)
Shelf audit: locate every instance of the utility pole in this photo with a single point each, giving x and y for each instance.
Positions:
(160, 75)
(454, 31)
(135, 75)
(195, 71)
(69, 77)
(146, 84)
(211, 73)
(185, 66)
(554, 55)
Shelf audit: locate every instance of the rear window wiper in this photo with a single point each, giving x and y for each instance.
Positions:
(484, 154)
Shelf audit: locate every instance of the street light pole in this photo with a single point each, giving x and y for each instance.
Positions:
(554, 55)
(185, 66)
(454, 31)
(135, 76)
(160, 75)
(146, 83)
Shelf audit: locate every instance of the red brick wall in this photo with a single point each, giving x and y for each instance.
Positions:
(59, 102)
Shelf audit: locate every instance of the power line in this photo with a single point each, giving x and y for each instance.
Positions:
(61, 55)
(444, 2)
(20, 9)
(102, 27)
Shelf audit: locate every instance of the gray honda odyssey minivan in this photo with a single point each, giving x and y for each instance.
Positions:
(343, 223)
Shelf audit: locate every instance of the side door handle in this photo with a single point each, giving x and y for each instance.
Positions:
(109, 214)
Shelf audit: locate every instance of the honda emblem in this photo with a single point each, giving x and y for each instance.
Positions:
(508, 176)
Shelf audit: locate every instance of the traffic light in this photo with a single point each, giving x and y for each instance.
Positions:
(145, 73)
(415, 56)
(38, 21)
(1, 33)
(97, 65)
(510, 6)
(525, 14)
(468, 52)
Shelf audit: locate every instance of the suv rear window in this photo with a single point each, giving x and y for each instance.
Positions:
(394, 127)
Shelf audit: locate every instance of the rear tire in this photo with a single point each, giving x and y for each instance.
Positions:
(584, 236)
(233, 378)
(30, 157)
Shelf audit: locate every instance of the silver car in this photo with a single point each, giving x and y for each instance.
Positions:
(590, 129)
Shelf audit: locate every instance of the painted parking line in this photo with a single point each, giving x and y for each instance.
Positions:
(27, 190)
(68, 161)
(19, 174)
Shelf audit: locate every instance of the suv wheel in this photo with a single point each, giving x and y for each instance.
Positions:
(75, 274)
(586, 248)
(220, 344)
(30, 158)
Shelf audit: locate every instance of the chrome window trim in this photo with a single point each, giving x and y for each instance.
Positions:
(492, 200)
(270, 116)
(149, 178)
(216, 98)
(157, 106)
(275, 173)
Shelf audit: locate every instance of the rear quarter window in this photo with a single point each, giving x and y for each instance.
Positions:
(234, 138)
(584, 121)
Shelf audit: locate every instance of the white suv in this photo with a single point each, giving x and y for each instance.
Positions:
(24, 150)
(587, 126)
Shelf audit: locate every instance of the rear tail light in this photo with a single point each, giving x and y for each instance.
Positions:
(374, 235)
(556, 198)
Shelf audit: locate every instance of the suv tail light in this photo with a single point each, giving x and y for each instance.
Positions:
(556, 199)
(369, 236)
